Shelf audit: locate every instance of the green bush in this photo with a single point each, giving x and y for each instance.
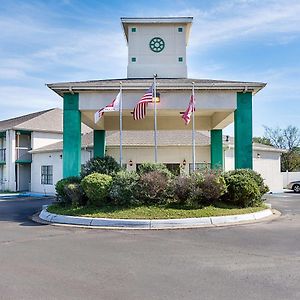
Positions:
(263, 188)
(154, 167)
(61, 195)
(154, 188)
(96, 186)
(75, 192)
(124, 188)
(242, 190)
(104, 165)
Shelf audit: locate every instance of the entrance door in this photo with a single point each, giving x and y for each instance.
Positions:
(24, 177)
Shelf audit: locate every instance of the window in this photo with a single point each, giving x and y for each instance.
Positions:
(133, 29)
(180, 59)
(199, 167)
(133, 59)
(180, 29)
(47, 175)
(173, 168)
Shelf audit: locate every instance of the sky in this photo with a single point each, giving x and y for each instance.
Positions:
(246, 40)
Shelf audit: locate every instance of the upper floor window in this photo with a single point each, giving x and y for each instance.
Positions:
(180, 29)
(133, 29)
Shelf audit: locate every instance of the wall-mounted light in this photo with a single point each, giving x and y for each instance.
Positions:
(258, 155)
(157, 99)
(227, 138)
(60, 156)
(130, 163)
(184, 162)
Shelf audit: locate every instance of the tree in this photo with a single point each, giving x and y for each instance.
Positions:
(289, 140)
(262, 140)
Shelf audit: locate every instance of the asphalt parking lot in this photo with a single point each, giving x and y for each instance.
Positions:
(254, 261)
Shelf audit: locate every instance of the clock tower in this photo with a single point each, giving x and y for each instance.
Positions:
(157, 46)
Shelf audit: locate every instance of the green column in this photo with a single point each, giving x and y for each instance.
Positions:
(71, 136)
(243, 132)
(99, 143)
(216, 149)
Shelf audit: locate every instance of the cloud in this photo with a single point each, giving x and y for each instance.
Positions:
(233, 20)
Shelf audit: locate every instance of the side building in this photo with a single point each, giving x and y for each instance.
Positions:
(174, 150)
(18, 136)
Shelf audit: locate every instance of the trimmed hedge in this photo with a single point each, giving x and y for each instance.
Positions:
(152, 167)
(76, 194)
(263, 188)
(61, 194)
(124, 188)
(96, 186)
(242, 190)
(104, 165)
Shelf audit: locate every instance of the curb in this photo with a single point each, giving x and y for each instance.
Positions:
(55, 219)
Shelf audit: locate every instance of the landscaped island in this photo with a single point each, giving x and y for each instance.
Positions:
(104, 190)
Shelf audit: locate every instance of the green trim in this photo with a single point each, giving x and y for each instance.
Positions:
(243, 132)
(71, 136)
(2, 162)
(3, 134)
(99, 143)
(23, 161)
(24, 132)
(216, 149)
(157, 44)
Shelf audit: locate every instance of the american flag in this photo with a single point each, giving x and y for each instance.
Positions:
(114, 106)
(139, 112)
(187, 114)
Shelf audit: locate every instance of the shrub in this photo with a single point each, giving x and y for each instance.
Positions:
(151, 167)
(263, 188)
(75, 192)
(154, 188)
(124, 188)
(207, 187)
(242, 190)
(96, 186)
(104, 165)
(182, 189)
(61, 195)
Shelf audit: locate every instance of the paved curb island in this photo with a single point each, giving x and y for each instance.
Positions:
(153, 224)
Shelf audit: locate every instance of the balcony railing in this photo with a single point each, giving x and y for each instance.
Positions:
(2, 155)
(22, 154)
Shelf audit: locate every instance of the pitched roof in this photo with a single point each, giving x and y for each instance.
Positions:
(175, 138)
(49, 120)
(162, 83)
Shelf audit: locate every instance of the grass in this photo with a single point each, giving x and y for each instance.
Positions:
(151, 212)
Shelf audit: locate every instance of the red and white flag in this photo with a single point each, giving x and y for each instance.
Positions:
(187, 114)
(114, 106)
(139, 112)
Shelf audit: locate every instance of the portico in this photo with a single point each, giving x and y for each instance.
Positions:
(218, 103)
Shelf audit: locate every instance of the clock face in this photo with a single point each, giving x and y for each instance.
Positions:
(157, 44)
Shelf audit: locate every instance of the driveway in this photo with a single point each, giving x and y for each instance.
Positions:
(254, 261)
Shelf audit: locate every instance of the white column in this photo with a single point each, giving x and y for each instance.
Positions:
(11, 159)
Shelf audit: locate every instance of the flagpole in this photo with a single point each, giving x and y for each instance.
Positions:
(155, 120)
(121, 124)
(193, 130)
